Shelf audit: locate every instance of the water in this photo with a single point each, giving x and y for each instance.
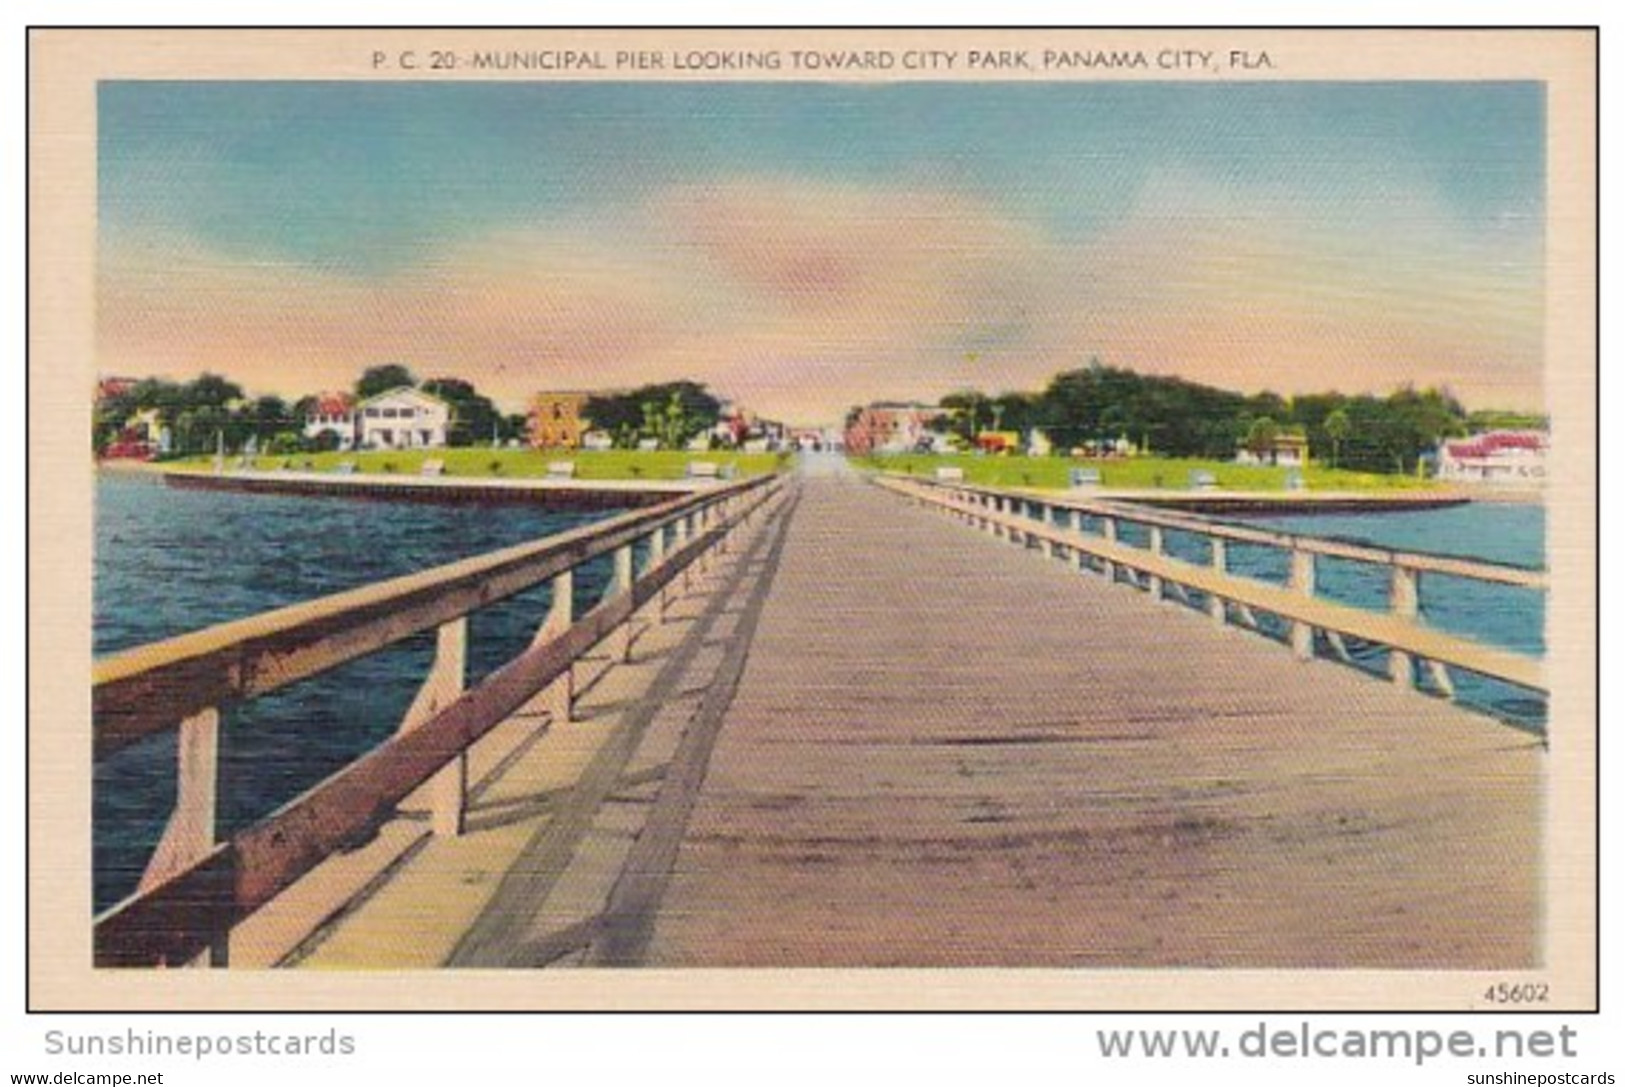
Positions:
(168, 561)
(1505, 616)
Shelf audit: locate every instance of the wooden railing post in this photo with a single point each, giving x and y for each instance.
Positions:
(1215, 602)
(676, 545)
(1077, 530)
(1044, 543)
(1153, 583)
(193, 824)
(558, 697)
(1404, 600)
(190, 832)
(701, 519)
(447, 791)
(725, 512)
(620, 639)
(657, 555)
(1303, 583)
(1108, 532)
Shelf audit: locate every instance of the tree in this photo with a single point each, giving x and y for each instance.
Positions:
(1016, 411)
(474, 418)
(1501, 419)
(514, 428)
(1337, 427)
(672, 413)
(1261, 437)
(381, 379)
(268, 416)
(212, 391)
(965, 409)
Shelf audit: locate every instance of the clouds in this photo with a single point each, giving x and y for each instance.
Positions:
(798, 296)
(805, 249)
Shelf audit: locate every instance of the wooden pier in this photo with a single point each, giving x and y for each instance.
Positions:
(869, 736)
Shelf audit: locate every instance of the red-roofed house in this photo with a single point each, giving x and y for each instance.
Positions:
(335, 412)
(1499, 456)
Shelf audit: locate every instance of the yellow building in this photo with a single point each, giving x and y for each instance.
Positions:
(556, 421)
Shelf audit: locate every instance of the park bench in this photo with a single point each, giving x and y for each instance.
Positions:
(561, 469)
(1085, 477)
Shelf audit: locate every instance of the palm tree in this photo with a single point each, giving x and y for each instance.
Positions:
(1337, 427)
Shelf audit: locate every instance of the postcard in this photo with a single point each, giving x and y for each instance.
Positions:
(671, 519)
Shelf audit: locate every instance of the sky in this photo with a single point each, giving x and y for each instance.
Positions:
(806, 247)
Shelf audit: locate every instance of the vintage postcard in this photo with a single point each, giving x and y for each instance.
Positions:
(1076, 519)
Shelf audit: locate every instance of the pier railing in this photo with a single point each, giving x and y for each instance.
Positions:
(1057, 526)
(197, 888)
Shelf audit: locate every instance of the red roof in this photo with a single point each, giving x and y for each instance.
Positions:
(1497, 441)
(114, 386)
(333, 404)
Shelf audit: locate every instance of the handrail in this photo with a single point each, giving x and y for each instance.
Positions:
(1477, 569)
(198, 888)
(1399, 629)
(150, 688)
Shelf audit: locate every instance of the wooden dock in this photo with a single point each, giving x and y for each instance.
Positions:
(873, 737)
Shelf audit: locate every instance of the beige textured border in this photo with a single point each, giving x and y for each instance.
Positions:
(65, 66)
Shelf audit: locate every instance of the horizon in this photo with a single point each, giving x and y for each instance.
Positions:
(802, 249)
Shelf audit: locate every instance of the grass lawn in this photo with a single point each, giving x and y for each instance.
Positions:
(1150, 473)
(502, 463)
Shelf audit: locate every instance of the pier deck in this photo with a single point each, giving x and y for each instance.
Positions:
(873, 738)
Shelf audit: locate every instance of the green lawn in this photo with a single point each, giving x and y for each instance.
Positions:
(1134, 473)
(503, 463)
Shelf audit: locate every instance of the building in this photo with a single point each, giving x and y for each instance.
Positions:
(402, 418)
(998, 441)
(556, 420)
(1516, 457)
(334, 412)
(891, 427)
(110, 388)
(808, 439)
(1290, 449)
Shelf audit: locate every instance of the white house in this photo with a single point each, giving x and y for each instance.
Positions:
(335, 412)
(1500, 456)
(403, 418)
(1288, 450)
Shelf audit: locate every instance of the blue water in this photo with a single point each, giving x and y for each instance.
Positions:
(168, 561)
(1505, 616)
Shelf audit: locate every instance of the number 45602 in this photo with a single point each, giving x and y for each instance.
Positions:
(1530, 992)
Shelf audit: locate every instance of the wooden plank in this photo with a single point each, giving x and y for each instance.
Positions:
(945, 754)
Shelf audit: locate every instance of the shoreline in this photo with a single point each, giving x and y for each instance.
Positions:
(598, 493)
(570, 494)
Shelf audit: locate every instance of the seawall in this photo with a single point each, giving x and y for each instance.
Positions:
(564, 494)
